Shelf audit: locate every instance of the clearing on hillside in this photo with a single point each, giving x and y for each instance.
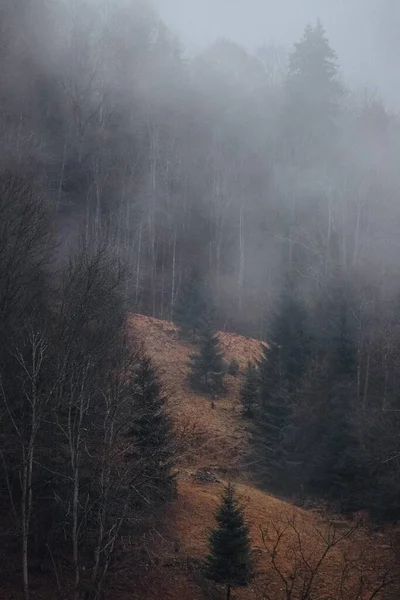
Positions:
(288, 542)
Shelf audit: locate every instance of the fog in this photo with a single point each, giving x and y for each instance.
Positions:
(363, 32)
(222, 166)
(215, 153)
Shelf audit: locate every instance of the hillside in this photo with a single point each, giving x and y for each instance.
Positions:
(215, 442)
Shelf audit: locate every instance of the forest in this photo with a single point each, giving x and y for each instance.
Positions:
(235, 191)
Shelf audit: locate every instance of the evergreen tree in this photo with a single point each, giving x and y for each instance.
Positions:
(234, 368)
(207, 366)
(313, 91)
(229, 562)
(286, 356)
(191, 309)
(272, 427)
(152, 434)
(326, 410)
(339, 450)
(343, 346)
(249, 391)
(281, 369)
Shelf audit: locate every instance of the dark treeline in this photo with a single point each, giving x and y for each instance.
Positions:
(260, 171)
(86, 445)
(327, 406)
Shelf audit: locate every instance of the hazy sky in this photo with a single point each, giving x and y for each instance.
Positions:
(364, 33)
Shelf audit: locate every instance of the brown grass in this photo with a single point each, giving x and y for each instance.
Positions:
(218, 435)
(217, 440)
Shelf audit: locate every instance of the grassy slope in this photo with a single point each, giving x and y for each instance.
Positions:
(216, 439)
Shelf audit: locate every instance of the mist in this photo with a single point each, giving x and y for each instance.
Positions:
(363, 33)
(220, 169)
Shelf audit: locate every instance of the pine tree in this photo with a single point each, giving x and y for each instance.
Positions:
(229, 562)
(333, 457)
(152, 434)
(207, 366)
(281, 369)
(313, 91)
(234, 368)
(343, 353)
(340, 443)
(249, 391)
(286, 356)
(270, 437)
(191, 309)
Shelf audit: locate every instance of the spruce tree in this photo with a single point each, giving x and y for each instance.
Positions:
(249, 391)
(340, 446)
(152, 434)
(313, 67)
(229, 561)
(343, 346)
(234, 368)
(191, 308)
(281, 369)
(326, 423)
(286, 356)
(207, 367)
(313, 93)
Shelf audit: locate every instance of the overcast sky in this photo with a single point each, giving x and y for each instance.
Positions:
(364, 33)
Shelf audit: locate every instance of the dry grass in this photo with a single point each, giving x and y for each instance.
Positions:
(216, 440)
(218, 435)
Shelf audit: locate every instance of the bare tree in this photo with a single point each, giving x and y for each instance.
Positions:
(303, 558)
(26, 419)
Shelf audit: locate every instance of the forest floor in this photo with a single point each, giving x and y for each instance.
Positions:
(214, 443)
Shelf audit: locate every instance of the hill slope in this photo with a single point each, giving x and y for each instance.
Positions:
(214, 444)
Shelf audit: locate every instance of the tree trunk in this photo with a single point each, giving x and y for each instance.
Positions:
(242, 257)
(75, 545)
(228, 592)
(173, 277)
(138, 268)
(61, 181)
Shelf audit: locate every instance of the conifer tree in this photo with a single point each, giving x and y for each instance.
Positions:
(281, 369)
(152, 434)
(249, 391)
(229, 561)
(234, 368)
(286, 356)
(343, 354)
(325, 425)
(313, 91)
(190, 311)
(313, 61)
(338, 452)
(207, 367)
